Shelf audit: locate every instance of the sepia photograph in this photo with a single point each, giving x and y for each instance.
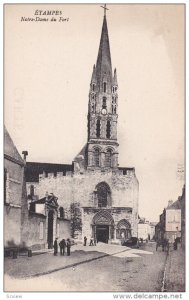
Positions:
(94, 148)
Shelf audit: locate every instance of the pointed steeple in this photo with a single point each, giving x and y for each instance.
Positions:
(93, 78)
(104, 65)
(115, 78)
(102, 145)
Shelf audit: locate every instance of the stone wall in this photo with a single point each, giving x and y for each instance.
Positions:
(12, 207)
(12, 226)
(14, 182)
(79, 188)
(64, 229)
(31, 231)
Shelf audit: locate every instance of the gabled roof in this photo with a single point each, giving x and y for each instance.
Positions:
(175, 205)
(10, 150)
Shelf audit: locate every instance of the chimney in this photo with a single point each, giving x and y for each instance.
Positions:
(25, 153)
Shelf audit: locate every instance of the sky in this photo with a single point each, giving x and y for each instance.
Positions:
(48, 68)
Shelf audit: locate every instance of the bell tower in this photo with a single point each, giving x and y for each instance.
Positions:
(102, 145)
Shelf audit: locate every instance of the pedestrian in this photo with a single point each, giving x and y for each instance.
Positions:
(68, 245)
(175, 245)
(63, 246)
(168, 246)
(91, 242)
(85, 240)
(55, 246)
(163, 244)
(95, 241)
(157, 244)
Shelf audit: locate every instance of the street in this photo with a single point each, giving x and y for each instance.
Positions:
(101, 268)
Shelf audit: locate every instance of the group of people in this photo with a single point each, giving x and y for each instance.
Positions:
(92, 241)
(64, 245)
(164, 243)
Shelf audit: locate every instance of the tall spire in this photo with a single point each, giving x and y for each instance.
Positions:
(102, 145)
(93, 78)
(104, 65)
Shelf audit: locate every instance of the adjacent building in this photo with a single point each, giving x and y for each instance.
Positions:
(172, 221)
(146, 229)
(13, 192)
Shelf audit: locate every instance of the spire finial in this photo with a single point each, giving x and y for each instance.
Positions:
(105, 8)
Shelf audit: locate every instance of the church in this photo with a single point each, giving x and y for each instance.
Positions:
(93, 196)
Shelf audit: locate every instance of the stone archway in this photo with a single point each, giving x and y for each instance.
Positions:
(103, 226)
(123, 230)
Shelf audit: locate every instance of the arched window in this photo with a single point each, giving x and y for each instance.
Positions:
(113, 100)
(61, 210)
(32, 190)
(96, 157)
(108, 129)
(98, 128)
(108, 158)
(104, 87)
(104, 102)
(113, 108)
(93, 107)
(103, 194)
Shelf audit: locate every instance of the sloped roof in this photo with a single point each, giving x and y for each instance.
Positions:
(175, 205)
(10, 149)
(50, 199)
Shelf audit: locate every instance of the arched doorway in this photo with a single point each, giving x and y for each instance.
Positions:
(50, 229)
(123, 229)
(103, 226)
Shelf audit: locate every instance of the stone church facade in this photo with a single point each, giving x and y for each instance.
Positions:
(99, 198)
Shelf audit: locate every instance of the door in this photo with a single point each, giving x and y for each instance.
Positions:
(50, 230)
(102, 233)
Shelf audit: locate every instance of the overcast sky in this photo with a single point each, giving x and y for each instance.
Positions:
(48, 68)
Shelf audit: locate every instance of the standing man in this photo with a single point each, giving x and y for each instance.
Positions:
(85, 240)
(91, 242)
(55, 246)
(68, 245)
(63, 246)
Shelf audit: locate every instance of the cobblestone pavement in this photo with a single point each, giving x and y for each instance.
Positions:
(175, 271)
(100, 268)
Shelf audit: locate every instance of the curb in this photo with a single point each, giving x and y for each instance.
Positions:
(163, 288)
